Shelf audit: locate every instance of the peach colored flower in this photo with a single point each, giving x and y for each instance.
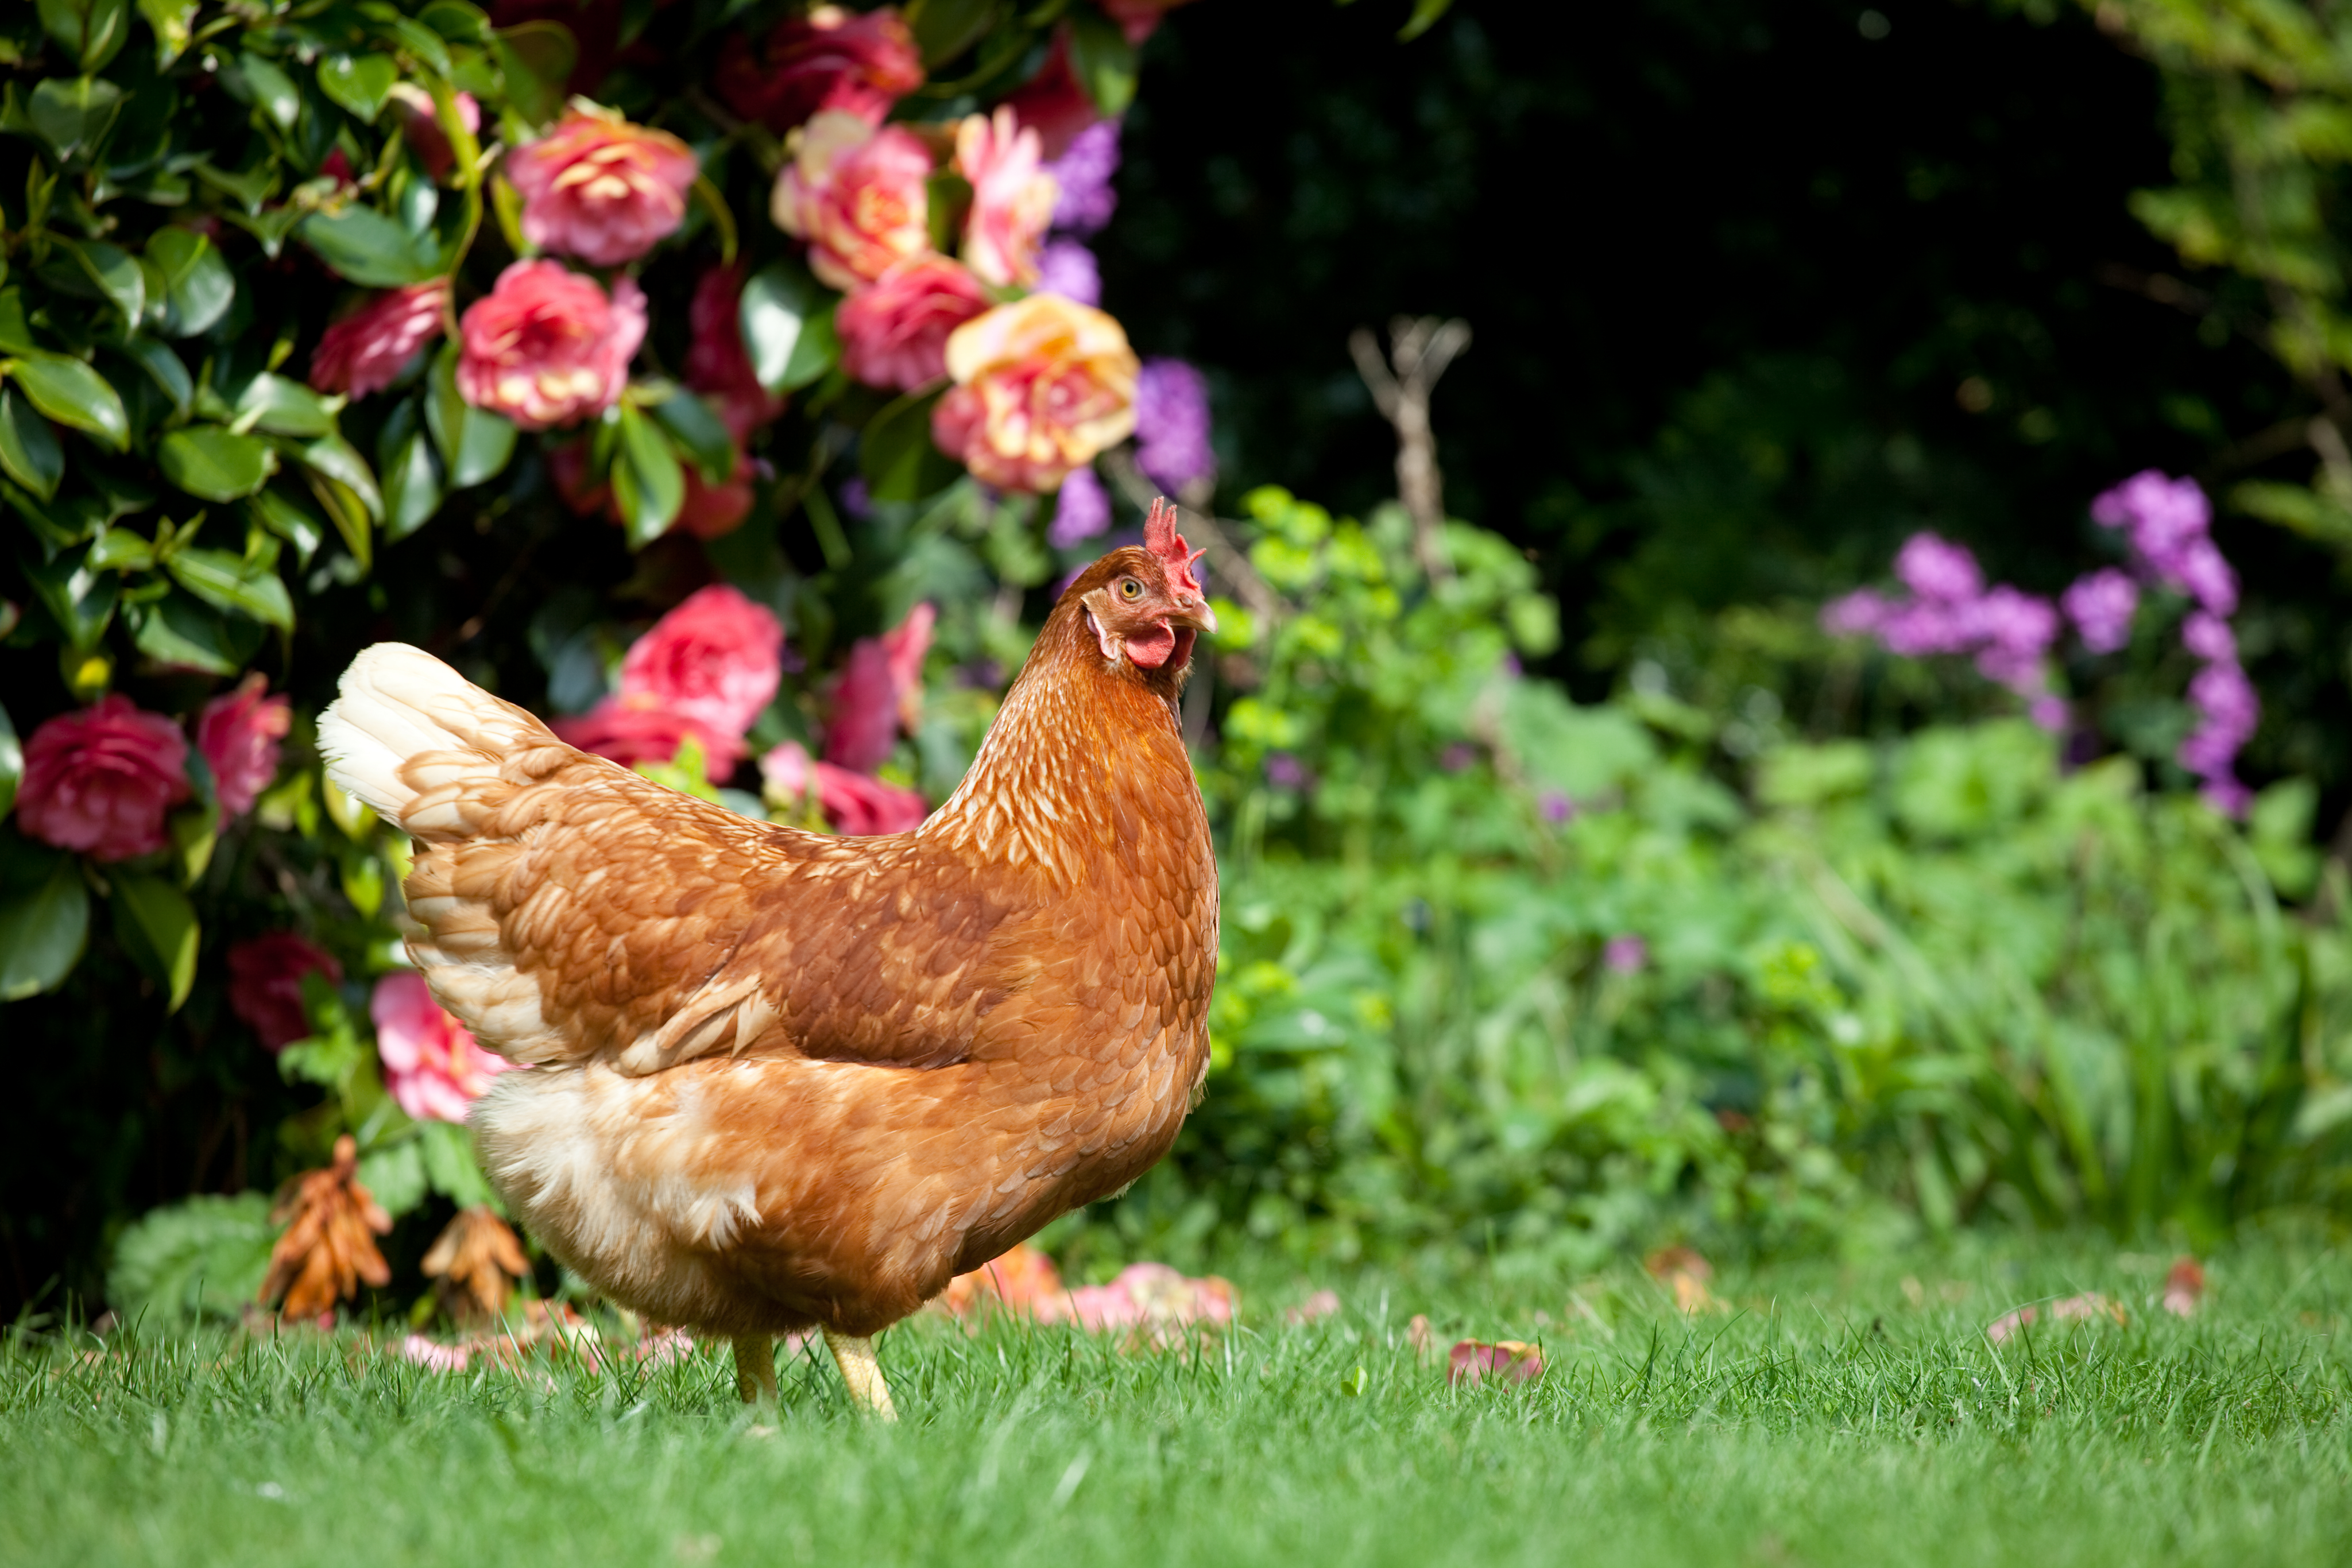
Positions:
(852, 802)
(431, 1062)
(265, 983)
(1011, 197)
(881, 691)
(831, 58)
(717, 364)
(602, 189)
(632, 728)
(894, 332)
(716, 659)
(239, 733)
(1042, 385)
(101, 781)
(858, 195)
(367, 349)
(546, 347)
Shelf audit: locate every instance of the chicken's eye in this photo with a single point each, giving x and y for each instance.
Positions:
(1130, 589)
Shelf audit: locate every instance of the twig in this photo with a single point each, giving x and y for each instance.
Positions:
(1420, 348)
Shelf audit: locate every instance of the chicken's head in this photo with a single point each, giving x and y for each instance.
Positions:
(1143, 605)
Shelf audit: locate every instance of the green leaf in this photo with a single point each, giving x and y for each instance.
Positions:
(198, 287)
(157, 926)
(89, 31)
(412, 487)
(122, 549)
(456, 21)
(647, 483)
(71, 393)
(215, 463)
(12, 762)
(1102, 59)
(174, 22)
(787, 322)
(79, 597)
(29, 451)
(449, 1164)
(359, 83)
(117, 276)
(285, 407)
(395, 1176)
(183, 632)
(259, 81)
(350, 515)
(73, 115)
(233, 583)
(537, 58)
(895, 455)
(43, 917)
(202, 1256)
(366, 247)
(290, 517)
(60, 524)
(945, 28)
(333, 458)
(166, 370)
(701, 435)
(415, 36)
(475, 442)
(15, 335)
(248, 187)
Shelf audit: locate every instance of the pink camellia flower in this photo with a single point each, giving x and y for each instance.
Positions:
(1011, 197)
(715, 659)
(420, 125)
(602, 189)
(859, 196)
(265, 983)
(1042, 385)
(239, 733)
(854, 803)
(894, 332)
(431, 1062)
(632, 729)
(546, 347)
(879, 692)
(101, 781)
(829, 59)
(717, 364)
(366, 350)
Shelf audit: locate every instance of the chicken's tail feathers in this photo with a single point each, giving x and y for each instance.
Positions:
(399, 706)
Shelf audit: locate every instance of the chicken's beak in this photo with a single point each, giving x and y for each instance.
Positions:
(1196, 613)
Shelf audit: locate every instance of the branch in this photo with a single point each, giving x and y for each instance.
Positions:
(1420, 348)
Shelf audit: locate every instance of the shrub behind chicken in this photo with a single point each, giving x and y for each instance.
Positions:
(783, 1080)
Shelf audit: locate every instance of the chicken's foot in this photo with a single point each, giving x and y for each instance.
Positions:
(861, 1373)
(755, 1368)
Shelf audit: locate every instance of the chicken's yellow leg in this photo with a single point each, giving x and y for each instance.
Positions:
(755, 1368)
(861, 1373)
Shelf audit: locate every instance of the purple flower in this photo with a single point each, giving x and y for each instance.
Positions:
(1081, 512)
(1284, 771)
(1083, 173)
(1626, 954)
(2162, 513)
(2209, 638)
(1936, 568)
(2200, 569)
(855, 500)
(1172, 423)
(2226, 699)
(1863, 611)
(2102, 604)
(2050, 712)
(1458, 758)
(1920, 628)
(1557, 808)
(2228, 796)
(1067, 268)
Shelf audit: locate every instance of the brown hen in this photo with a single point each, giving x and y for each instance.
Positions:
(785, 1080)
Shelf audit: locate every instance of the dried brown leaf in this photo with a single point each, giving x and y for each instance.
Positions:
(328, 1244)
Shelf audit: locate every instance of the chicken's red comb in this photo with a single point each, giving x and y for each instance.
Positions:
(1160, 537)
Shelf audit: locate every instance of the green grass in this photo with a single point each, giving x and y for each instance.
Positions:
(1827, 1417)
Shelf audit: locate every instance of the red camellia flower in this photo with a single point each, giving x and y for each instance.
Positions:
(265, 983)
(881, 693)
(365, 350)
(546, 347)
(831, 58)
(602, 189)
(632, 728)
(1012, 198)
(239, 733)
(894, 332)
(1042, 385)
(713, 511)
(716, 365)
(852, 802)
(1054, 103)
(99, 781)
(716, 659)
(431, 1062)
(858, 195)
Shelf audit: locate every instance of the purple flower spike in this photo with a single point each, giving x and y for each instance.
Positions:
(2208, 578)
(2101, 605)
(2050, 712)
(1558, 808)
(1934, 567)
(1172, 423)
(1918, 629)
(1083, 173)
(1284, 771)
(1626, 954)
(1067, 268)
(1081, 512)
(2209, 638)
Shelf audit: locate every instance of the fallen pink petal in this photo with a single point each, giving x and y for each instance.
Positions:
(1508, 1360)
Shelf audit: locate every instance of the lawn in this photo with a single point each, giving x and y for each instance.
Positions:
(1819, 1415)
